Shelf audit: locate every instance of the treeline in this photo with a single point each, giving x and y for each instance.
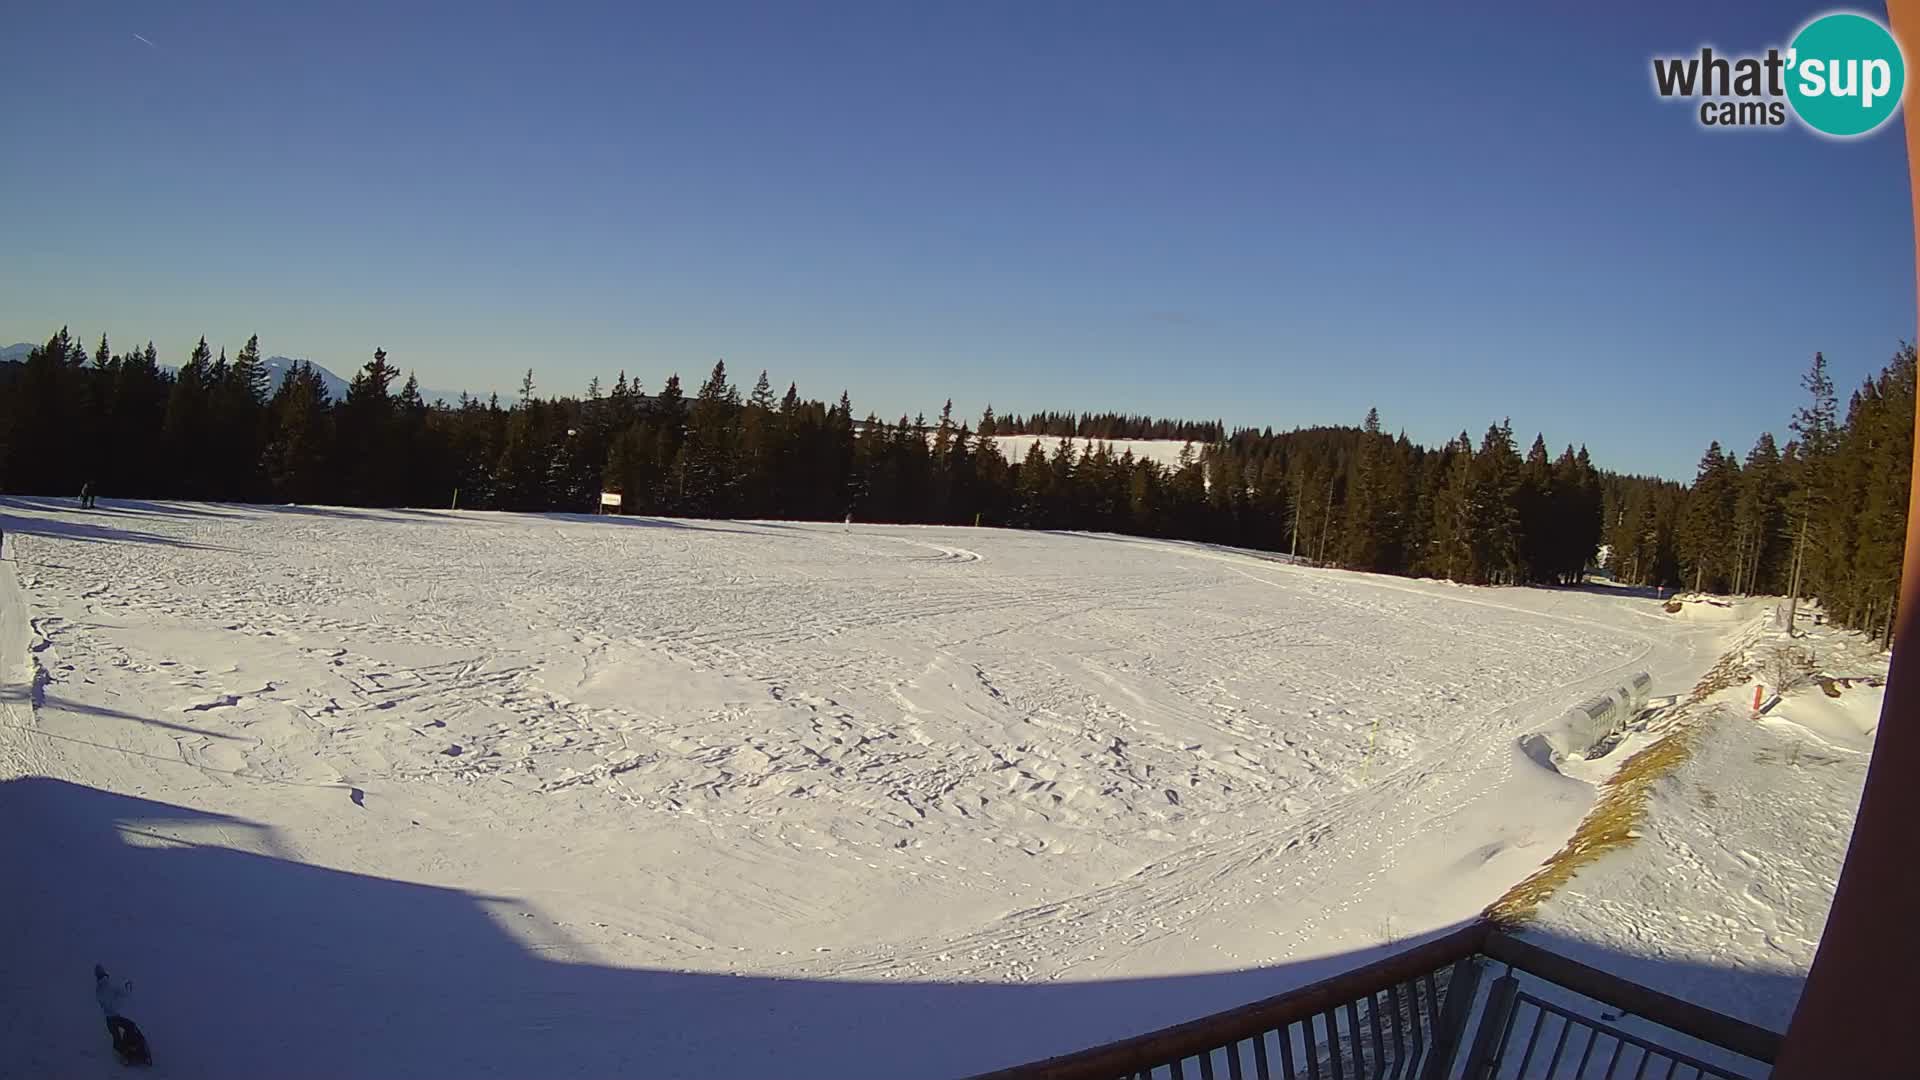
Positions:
(1104, 426)
(1347, 496)
(1826, 509)
(1481, 513)
(1823, 516)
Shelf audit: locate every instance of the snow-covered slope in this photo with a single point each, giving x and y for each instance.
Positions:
(278, 368)
(382, 793)
(1733, 876)
(1165, 451)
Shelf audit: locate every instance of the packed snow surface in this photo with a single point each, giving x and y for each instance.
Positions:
(354, 792)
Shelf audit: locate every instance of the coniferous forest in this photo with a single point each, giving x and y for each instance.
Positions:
(1822, 513)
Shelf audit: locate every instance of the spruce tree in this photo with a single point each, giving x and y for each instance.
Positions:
(299, 436)
(186, 427)
(1452, 556)
(1814, 424)
(1493, 521)
(1759, 521)
(1705, 538)
(705, 474)
(1540, 519)
(366, 430)
(1369, 540)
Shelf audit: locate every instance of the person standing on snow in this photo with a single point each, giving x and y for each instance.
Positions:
(128, 1042)
(86, 495)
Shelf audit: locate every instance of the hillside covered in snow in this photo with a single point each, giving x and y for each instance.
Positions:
(563, 795)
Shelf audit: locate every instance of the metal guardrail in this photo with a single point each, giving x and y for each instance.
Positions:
(1604, 1047)
(1410, 1016)
(1747, 1040)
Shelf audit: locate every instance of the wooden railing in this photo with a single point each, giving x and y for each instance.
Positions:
(1419, 1015)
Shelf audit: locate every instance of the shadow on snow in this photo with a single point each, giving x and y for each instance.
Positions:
(250, 965)
(110, 520)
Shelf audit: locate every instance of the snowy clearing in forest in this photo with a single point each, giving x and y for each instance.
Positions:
(387, 792)
(1161, 451)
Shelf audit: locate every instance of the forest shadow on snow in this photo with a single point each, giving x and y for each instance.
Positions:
(117, 520)
(248, 965)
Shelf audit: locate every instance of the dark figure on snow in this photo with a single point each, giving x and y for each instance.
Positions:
(86, 495)
(128, 1042)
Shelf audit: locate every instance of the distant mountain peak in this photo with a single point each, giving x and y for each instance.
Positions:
(276, 367)
(279, 367)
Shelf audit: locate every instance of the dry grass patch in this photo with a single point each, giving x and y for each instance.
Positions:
(1615, 820)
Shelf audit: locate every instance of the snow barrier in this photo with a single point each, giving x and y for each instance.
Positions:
(1580, 728)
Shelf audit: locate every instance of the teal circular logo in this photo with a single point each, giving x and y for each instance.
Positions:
(1845, 74)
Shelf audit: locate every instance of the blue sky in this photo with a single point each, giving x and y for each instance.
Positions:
(1245, 211)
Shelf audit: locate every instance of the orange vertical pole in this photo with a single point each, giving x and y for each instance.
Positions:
(1857, 1012)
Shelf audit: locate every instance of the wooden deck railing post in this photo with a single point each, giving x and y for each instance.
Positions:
(1463, 985)
(1493, 1025)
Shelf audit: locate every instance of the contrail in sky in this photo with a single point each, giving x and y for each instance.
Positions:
(145, 42)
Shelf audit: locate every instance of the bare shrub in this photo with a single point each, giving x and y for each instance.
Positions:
(1787, 669)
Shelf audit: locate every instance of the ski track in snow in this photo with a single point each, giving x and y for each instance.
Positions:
(827, 751)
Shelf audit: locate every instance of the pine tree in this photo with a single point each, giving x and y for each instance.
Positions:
(184, 432)
(1493, 522)
(1705, 539)
(1759, 521)
(1585, 502)
(625, 459)
(130, 464)
(762, 430)
(1031, 487)
(1452, 556)
(239, 403)
(1370, 541)
(527, 452)
(940, 493)
(1187, 495)
(299, 427)
(365, 425)
(705, 473)
(1867, 486)
(1814, 423)
(43, 411)
(1540, 518)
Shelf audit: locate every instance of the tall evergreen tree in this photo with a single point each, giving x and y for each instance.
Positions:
(705, 473)
(1493, 521)
(300, 437)
(184, 434)
(1372, 541)
(366, 431)
(1540, 516)
(1705, 539)
(1814, 423)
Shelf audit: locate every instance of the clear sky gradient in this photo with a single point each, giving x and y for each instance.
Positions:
(1255, 212)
